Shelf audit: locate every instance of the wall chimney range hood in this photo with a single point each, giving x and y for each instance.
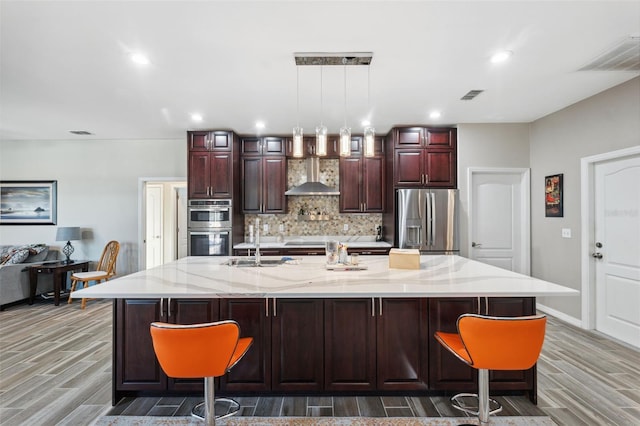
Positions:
(312, 186)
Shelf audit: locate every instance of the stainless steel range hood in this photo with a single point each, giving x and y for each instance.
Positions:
(313, 186)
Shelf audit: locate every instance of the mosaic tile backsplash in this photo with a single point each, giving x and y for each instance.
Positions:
(328, 206)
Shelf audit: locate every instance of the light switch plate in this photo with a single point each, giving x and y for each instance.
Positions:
(566, 232)
(265, 228)
(345, 227)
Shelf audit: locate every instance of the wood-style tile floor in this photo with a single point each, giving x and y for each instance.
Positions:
(55, 368)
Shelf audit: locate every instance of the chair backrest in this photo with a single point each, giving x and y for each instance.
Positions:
(197, 350)
(107, 262)
(502, 343)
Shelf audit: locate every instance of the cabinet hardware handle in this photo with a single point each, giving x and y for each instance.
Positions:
(275, 312)
(373, 307)
(380, 300)
(290, 146)
(365, 252)
(161, 306)
(426, 178)
(169, 308)
(266, 307)
(335, 146)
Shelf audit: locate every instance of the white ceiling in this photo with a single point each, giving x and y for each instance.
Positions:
(65, 64)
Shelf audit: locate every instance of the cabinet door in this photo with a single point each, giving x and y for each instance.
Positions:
(442, 138)
(136, 365)
(298, 345)
(409, 137)
(253, 371)
(191, 311)
(408, 168)
(198, 141)
(221, 173)
(350, 178)
(199, 174)
(250, 146)
(220, 141)
(251, 184)
(440, 168)
(350, 341)
(273, 146)
(274, 185)
(402, 344)
(373, 184)
(446, 371)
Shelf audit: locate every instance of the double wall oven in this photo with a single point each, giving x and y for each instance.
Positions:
(209, 227)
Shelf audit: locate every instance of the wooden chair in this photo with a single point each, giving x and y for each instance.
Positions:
(493, 343)
(206, 350)
(105, 269)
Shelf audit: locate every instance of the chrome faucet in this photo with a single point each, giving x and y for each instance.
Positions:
(257, 242)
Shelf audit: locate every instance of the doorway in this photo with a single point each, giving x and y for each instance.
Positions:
(611, 244)
(162, 220)
(499, 216)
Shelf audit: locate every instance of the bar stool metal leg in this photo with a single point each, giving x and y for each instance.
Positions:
(206, 410)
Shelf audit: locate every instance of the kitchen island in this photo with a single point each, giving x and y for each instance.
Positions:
(318, 331)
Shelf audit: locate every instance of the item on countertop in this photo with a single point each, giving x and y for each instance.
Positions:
(342, 254)
(404, 258)
(331, 251)
(355, 259)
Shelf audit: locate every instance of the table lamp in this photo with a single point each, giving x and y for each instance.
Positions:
(67, 234)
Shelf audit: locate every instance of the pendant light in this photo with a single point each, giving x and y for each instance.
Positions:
(297, 131)
(369, 131)
(345, 132)
(321, 130)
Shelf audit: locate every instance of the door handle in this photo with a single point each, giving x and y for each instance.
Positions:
(597, 255)
(474, 244)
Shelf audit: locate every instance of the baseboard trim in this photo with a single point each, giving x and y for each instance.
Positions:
(560, 315)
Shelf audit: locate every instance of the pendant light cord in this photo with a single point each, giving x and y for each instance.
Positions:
(298, 96)
(344, 61)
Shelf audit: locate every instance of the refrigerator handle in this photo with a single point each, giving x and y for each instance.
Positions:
(427, 225)
(433, 218)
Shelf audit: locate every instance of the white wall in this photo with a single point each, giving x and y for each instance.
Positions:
(605, 122)
(97, 188)
(487, 145)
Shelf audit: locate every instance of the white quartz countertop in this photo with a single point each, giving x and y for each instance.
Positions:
(210, 277)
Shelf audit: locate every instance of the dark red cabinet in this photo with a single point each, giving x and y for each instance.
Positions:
(264, 182)
(362, 179)
(424, 157)
(211, 164)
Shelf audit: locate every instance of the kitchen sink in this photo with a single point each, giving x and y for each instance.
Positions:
(251, 262)
(305, 243)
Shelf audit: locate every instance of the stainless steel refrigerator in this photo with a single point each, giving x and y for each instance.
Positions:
(428, 220)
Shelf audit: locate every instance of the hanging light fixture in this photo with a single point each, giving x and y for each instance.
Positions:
(369, 131)
(297, 131)
(345, 132)
(321, 130)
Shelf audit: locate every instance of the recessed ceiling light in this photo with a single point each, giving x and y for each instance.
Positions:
(139, 58)
(260, 125)
(435, 114)
(366, 123)
(196, 117)
(501, 56)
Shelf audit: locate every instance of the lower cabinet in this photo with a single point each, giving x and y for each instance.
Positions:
(317, 345)
(376, 344)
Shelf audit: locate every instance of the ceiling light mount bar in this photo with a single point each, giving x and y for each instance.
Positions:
(333, 58)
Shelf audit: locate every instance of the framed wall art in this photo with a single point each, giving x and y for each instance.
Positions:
(553, 196)
(28, 202)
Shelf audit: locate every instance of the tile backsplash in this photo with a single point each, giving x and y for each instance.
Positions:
(359, 224)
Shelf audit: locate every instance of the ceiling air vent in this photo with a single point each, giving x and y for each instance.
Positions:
(80, 132)
(624, 56)
(471, 94)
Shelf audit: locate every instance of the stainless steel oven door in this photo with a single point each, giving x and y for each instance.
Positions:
(209, 217)
(209, 242)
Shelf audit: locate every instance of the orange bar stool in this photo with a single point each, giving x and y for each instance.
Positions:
(200, 350)
(493, 343)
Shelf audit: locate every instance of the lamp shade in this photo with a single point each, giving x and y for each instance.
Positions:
(68, 233)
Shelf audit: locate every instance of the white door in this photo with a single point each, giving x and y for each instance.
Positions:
(499, 213)
(181, 214)
(617, 240)
(153, 225)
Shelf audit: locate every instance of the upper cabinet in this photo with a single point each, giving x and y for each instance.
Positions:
(424, 157)
(309, 147)
(211, 164)
(362, 188)
(263, 174)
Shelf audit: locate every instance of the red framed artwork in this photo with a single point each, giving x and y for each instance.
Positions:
(553, 196)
